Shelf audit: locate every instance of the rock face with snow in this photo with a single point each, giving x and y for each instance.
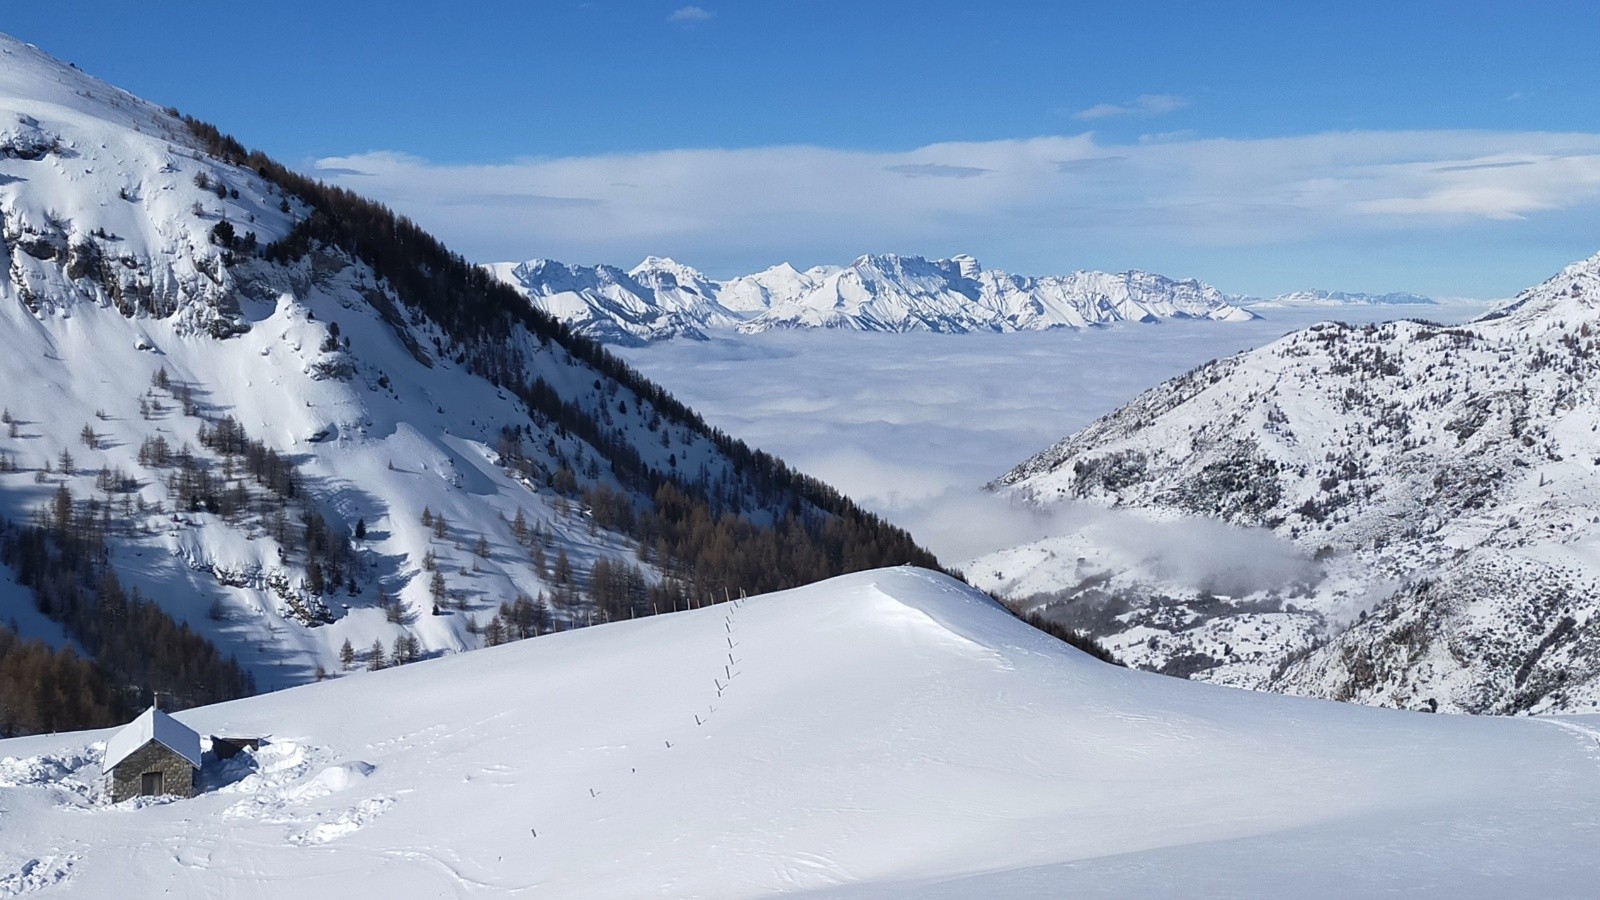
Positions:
(1446, 477)
(887, 734)
(660, 298)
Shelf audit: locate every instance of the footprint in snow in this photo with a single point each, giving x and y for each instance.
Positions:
(345, 823)
(38, 874)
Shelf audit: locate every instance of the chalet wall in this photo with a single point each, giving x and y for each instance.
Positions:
(177, 776)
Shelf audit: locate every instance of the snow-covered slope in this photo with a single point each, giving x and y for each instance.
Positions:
(447, 449)
(661, 299)
(114, 278)
(1446, 480)
(887, 734)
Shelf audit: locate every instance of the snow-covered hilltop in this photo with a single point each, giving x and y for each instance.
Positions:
(294, 421)
(886, 734)
(1442, 482)
(660, 298)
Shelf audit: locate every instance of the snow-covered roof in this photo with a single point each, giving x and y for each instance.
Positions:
(153, 725)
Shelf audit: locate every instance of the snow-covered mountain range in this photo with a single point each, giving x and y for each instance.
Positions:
(660, 298)
(1342, 298)
(293, 421)
(887, 734)
(1440, 484)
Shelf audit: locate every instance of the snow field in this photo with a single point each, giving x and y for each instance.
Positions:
(890, 733)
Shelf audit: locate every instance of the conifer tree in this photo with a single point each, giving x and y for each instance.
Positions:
(540, 565)
(563, 572)
(495, 634)
(437, 589)
(347, 655)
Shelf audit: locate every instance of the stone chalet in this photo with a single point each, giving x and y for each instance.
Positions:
(151, 756)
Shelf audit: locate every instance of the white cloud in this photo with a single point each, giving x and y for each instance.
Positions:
(689, 14)
(1142, 105)
(740, 209)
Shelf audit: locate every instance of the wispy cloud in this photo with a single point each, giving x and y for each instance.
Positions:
(1501, 164)
(737, 208)
(1167, 137)
(685, 14)
(1142, 105)
(526, 201)
(936, 170)
(1087, 162)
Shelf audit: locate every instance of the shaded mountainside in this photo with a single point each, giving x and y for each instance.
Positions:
(313, 437)
(1445, 481)
(661, 298)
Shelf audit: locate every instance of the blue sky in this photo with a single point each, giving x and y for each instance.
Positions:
(1443, 147)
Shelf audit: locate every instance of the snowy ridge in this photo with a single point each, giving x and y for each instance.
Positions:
(887, 734)
(112, 188)
(660, 298)
(1444, 479)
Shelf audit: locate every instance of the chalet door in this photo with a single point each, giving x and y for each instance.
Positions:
(150, 784)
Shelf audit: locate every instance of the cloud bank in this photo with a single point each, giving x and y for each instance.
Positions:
(1019, 203)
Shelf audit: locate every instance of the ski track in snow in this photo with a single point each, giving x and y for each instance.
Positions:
(1589, 734)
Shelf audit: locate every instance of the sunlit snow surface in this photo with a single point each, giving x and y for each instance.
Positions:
(890, 733)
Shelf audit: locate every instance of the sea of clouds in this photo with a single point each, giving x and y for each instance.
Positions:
(914, 425)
